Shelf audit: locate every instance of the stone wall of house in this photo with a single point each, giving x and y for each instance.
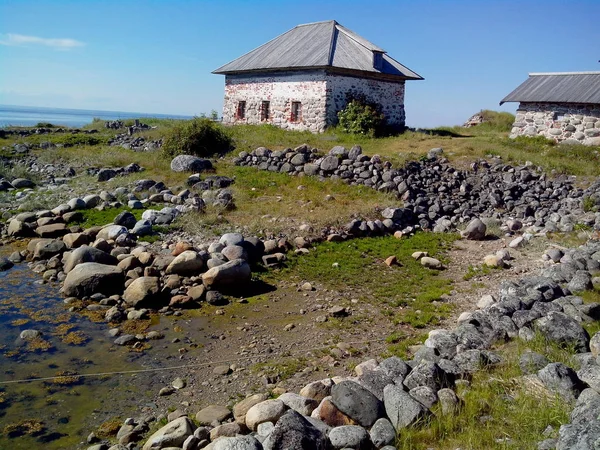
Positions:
(308, 88)
(321, 95)
(389, 94)
(567, 123)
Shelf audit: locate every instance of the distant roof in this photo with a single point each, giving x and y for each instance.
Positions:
(558, 87)
(317, 45)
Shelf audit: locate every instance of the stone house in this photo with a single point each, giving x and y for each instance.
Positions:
(302, 78)
(564, 106)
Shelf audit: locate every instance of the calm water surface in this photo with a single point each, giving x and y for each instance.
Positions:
(28, 116)
(59, 415)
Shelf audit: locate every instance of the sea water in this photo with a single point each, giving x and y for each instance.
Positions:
(28, 116)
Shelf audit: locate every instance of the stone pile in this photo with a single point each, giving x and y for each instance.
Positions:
(138, 144)
(474, 120)
(368, 410)
(24, 132)
(439, 196)
(105, 174)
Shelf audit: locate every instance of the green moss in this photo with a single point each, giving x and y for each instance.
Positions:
(95, 217)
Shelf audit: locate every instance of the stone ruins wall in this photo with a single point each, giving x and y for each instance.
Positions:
(567, 123)
(321, 94)
(389, 94)
(280, 90)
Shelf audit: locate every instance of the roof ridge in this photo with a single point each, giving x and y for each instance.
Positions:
(359, 39)
(332, 43)
(535, 74)
(316, 23)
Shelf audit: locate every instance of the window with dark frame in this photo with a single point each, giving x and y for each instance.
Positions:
(265, 110)
(296, 111)
(241, 110)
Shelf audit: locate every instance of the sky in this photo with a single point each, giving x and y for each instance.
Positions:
(157, 56)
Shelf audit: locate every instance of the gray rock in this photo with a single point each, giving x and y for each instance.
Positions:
(213, 413)
(22, 183)
(231, 239)
(582, 433)
(266, 411)
(5, 264)
(375, 381)
(85, 254)
(448, 400)
(562, 329)
(590, 374)
(401, 408)
(293, 431)
(424, 395)
(582, 281)
(142, 228)
(350, 436)
(561, 379)
(125, 219)
(356, 402)
(429, 374)
(531, 362)
(106, 174)
(189, 163)
(143, 291)
(298, 403)
(235, 443)
(28, 335)
(90, 278)
(382, 433)
(395, 368)
(186, 263)
(231, 275)
(172, 434)
(475, 230)
(329, 163)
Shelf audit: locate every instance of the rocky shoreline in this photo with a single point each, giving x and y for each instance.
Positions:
(124, 279)
(368, 410)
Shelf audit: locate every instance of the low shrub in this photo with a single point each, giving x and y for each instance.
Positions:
(199, 136)
(362, 117)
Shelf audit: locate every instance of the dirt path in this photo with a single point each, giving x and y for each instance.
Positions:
(279, 338)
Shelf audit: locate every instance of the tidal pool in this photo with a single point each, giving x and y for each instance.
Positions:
(61, 412)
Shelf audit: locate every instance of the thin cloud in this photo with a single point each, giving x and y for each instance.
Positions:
(57, 44)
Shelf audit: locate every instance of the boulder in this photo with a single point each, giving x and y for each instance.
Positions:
(143, 291)
(561, 379)
(190, 163)
(562, 329)
(231, 275)
(111, 232)
(402, 409)
(172, 434)
(212, 413)
(5, 264)
(266, 411)
(90, 278)
(298, 403)
(186, 263)
(47, 248)
(52, 231)
(382, 433)
(350, 436)
(293, 431)
(475, 230)
(125, 219)
(240, 409)
(356, 402)
(85, 254)
(235, 443)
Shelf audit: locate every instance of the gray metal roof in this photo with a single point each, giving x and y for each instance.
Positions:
(317, 45)
(558, 87)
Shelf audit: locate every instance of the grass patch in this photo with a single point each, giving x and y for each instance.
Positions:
(413, 292)
(499, 410)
